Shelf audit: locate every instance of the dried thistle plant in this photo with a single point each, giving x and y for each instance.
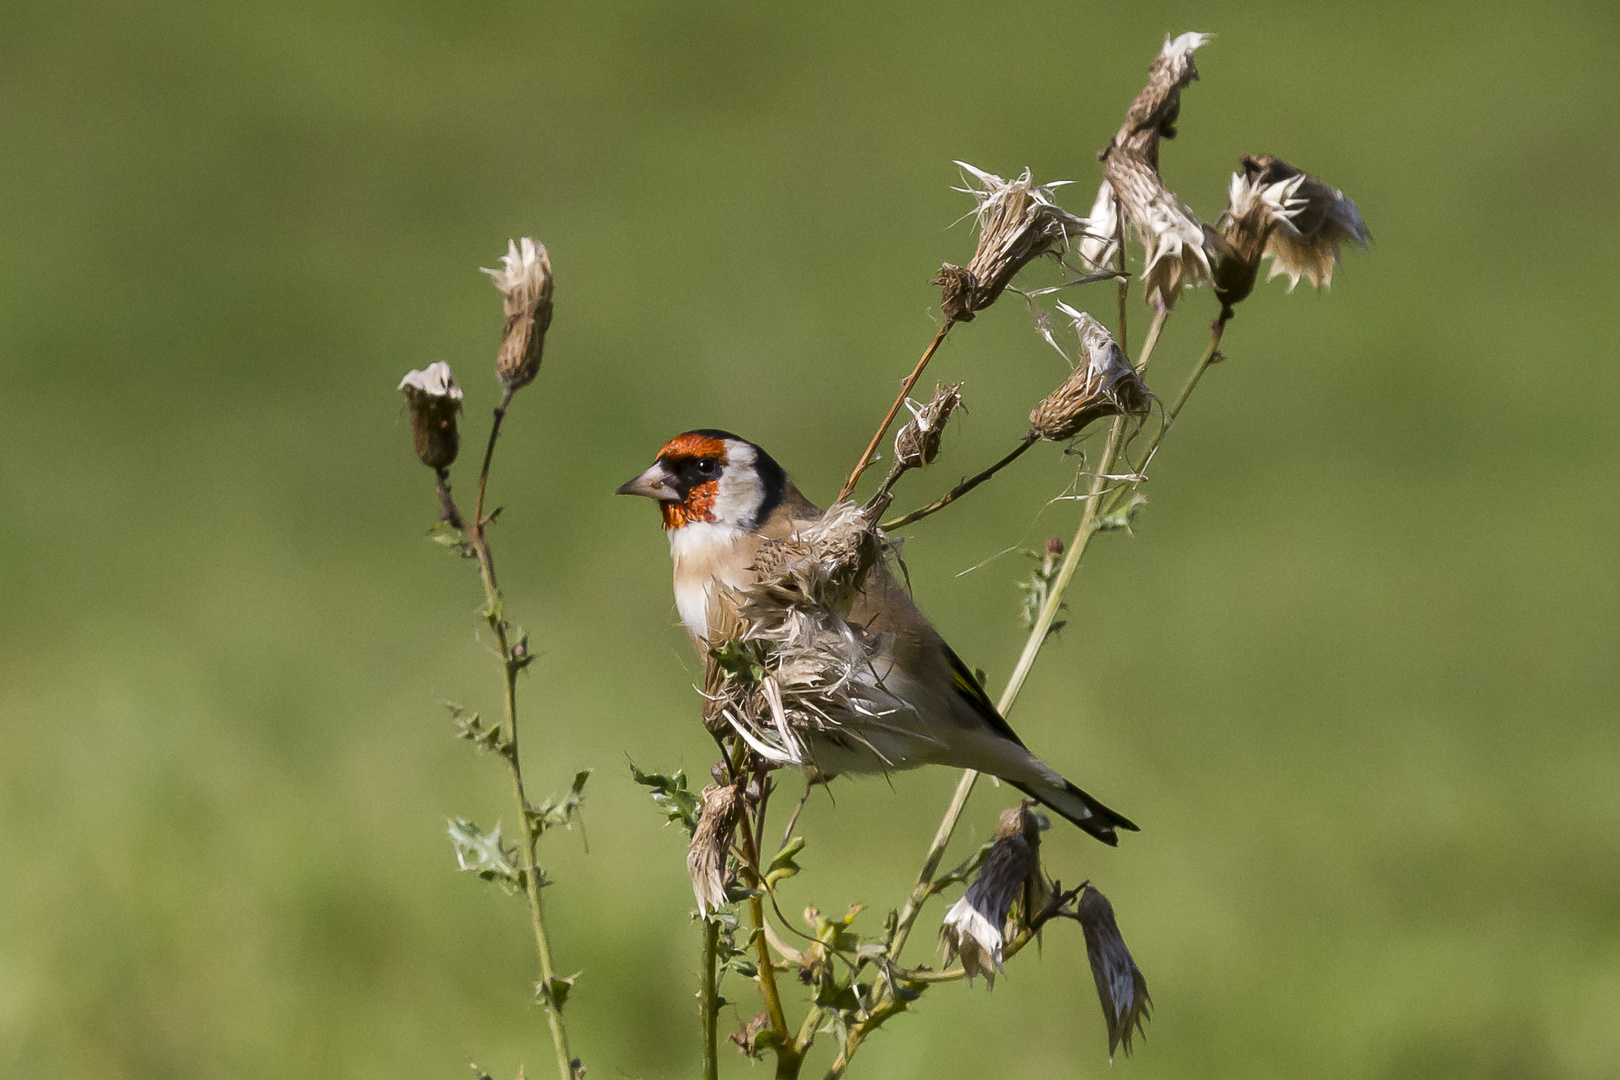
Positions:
(1121, 987)
(1018, 223)
(711, 842)
(1153, 114)
(1322, 221)
(434, 400)
(1175, 251)
(1011, 873)
(1102, 384)
(525, 281)
(917, 444)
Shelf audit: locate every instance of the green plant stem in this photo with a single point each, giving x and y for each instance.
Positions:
(965, 486)
(711, 1002)
(1026, 660)
(905, 388)
(788, 1055)
(511, 665)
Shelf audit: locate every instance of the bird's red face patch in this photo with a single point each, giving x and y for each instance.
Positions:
(697, 506)
(699, 502)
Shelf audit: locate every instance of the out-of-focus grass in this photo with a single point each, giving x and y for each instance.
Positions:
(1354, 673)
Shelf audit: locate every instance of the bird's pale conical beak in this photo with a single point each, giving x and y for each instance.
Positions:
(656, 483)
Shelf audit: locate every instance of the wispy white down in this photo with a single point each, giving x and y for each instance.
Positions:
(433, 381)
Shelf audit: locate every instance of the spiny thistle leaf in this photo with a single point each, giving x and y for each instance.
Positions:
(671, 795)
(483, 854)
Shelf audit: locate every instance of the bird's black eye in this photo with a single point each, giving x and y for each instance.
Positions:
(708, 467)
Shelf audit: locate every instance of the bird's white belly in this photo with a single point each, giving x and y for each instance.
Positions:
(705, 556)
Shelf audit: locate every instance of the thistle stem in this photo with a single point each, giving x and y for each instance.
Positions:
(964, 487)
(1026, 660)
(512, 664)
(905, 388)
(711, 1002)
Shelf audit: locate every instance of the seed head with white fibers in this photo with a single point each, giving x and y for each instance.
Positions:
(525, 281)
(434, 400)
(917, 444)
(1018, 222)
(1153, 114)
(1308, 242)
(1175, 250)
(1011, 872)
(1102, 384)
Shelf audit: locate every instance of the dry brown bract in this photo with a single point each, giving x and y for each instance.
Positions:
(525, 282)
(1018, 222)
(434, 400)
(1154, 112)
(1102, 384)
(1174, 247)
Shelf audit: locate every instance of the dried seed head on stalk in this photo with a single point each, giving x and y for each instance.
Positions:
(1254, 209)
(1308, 242)
(1175, 248)
(1102, 384)
(525, 282)
(711, 842)
(1153, 114)
(1011, 872)
(917, 445)
(434, 400)
(1120, 985)
(1018, 222)
(811, 675)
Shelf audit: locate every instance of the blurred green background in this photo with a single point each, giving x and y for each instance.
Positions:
(1355, 674)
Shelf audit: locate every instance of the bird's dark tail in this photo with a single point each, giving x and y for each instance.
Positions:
(1075, 805)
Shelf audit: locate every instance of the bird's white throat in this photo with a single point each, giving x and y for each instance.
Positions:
(705, 557)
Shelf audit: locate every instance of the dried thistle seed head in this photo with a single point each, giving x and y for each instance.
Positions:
(1174, 246)
(1120, 985)
(1308, 242)
(1018, 222)
(1103, 384)
(1255, 208)
(1153, 114)
(917, 444)
(711, 842)
(434, 400)
(525, 282)
(1011, 872)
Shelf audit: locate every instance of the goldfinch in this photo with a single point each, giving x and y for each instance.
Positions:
(721, 497)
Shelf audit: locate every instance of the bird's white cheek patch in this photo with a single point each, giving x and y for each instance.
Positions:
(741, 493)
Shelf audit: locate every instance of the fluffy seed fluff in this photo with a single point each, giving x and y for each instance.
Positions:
(1011, 872)
(808, 668)
(917, 444)
(1254, 210)
(1102, 384)
(434, 400)
(1018, 222)
(711, 842)
(1307, 241)
(1120, 984)
(525, 281)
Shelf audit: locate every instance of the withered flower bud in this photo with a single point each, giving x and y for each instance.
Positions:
(1174, 246)
(1011, 872)
(917, 444)
(1054, 548)
(525, 282)
(1154, 112)
(1103, 384)
(434, 400)
(1306, 241)
(1120, 985)
(1018, 222)
(706, 858)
